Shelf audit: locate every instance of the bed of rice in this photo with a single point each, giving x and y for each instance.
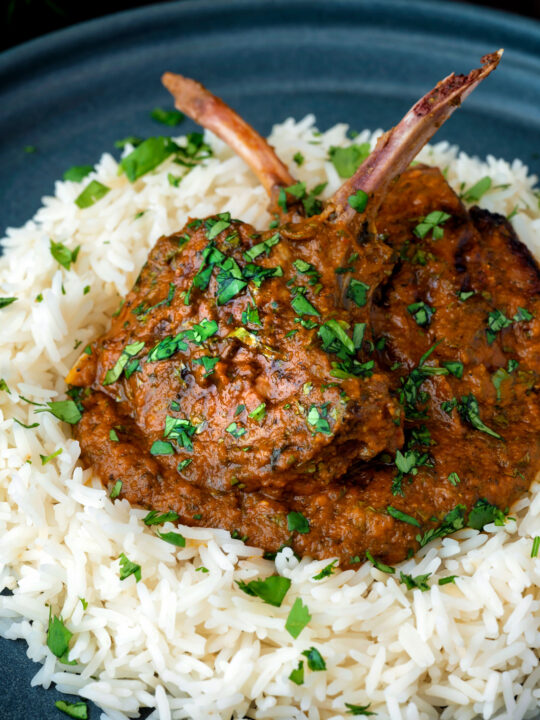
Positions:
(191, 644)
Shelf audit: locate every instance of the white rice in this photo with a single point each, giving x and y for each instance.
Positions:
(189, 643)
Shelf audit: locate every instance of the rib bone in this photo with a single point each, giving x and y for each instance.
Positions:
(399, 146)
(198, 103)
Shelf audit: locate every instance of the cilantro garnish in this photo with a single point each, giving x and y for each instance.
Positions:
(93, 192)
(498, 377)
(297, 675)
(180, 430)
(126, 355)
(469, 411)
(296, 521)
(4, 386)
(453, 479)
(167, 117)
(63, 255)
(130, 140)
(476, 191)
(237, 431)
(47, 458)
(535, 547)
(420, 581)
(301, 304)
(452, 521)
(160, 447)
(497, 321)
(78, 710)
(193, 152)
(78, 172)
(314, 659)
(250, 316)
(173, 538)
(208, 363)
(5, 301)
(262, 247)
(400, 515)
(317, 418)
(448, 405)
(326, 571)
(298, 158)
(407, 464)
(448, 580)
(258, 413)
(146, 156)
(272, 590)
(116, 489)
(421, 312)
(465, 294)
(348, 160)
(359, 709)
(156, 518)
(379, 565)
(484, 513)
(432, 223)
(358, 201)
(58, 638)
(454, 367)
(65, 410)
(197, 334)
(297, 619)
(128, 568)
(358, 291)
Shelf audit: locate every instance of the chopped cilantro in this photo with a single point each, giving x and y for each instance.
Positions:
(113, 435)
(93, 192)
(400, 515)
(420, 581)
(28, 427)
(272, 590)
(208, 363)
(326, 571)
(146, 156)
(465, 294)
(469, 411)
(453, 479)
(183, 464)
(180, 430)
(65, 410)
(297, 675)
(432, 223)
(5, 301)
(58, 638)
(174, 180)
(298, 158)
(128, 568)
(173, 538)
(302, 306)
(258, 413)
(116, 489)
(297, 619)
(317, 418)
(315, 660)
(522, 315)
(448, 405)
(4, 386)
(78, 710)
(348, 160)
(160, 447)
(498, 377)
(131, 140)
(127, 354)
(167, 117)
(262, 247)
(78, 172)
(454, 367)
(447, 580)
(296, 521)
(156, 518)
(535, 547)
(484, 513)
(63, 255)
(239, 410)
(359, 709)
(379, 565)
(202, 569)
(358, 201)
(47, 458)
(250, 316)
(497, 321)
(358, 291)
(421, 312)
(474, 193)
(235, 430)
(452, 521)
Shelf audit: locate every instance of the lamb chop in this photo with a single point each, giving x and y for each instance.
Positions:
(239, 384)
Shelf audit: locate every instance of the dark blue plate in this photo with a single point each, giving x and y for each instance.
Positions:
(73, 93)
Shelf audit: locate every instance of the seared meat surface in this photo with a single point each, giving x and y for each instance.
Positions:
(355, 381)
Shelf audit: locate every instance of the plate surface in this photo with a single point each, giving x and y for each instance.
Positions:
(73, 93)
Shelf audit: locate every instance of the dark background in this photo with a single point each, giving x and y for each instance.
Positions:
(23, 20)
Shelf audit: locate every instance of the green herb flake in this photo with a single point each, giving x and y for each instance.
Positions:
(116, 489)
(272, 590)
(208, 363)
(484, 513)
(362, 710)
(358, 292)
(298, 158)
(326, 571)
(28, 427)
(239, 410)
(93, 192)
(130, 140)
(474, 193)
(58, 638)
(161, 447)
(156, 518)
(113, 435)
(465, 294)
(348, 160)
(63, 255)
(5, 301)
(146, 156)
(128, 568)
(297, 619)
(535, 547)
(235, 430)
(315, 660)
(202, 569)
(167, 117)
(432, 223)
(173, 538)
(302, 306)
(448, 580)
(421, 312)
(379, 565)
(297, 522)
(78, 710)
(453, 479)
(47, 458)
(358, 201)
(469, 412)
(258, 413)
(129, 352)
(182, 465)
(420, 581)
(316, 417)
(262, 247)
(452, 521)
(497, 321)
(400, 515)
(4, 386)
(297, 675)
(78, 172)
(83, 603)
(65, 410)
